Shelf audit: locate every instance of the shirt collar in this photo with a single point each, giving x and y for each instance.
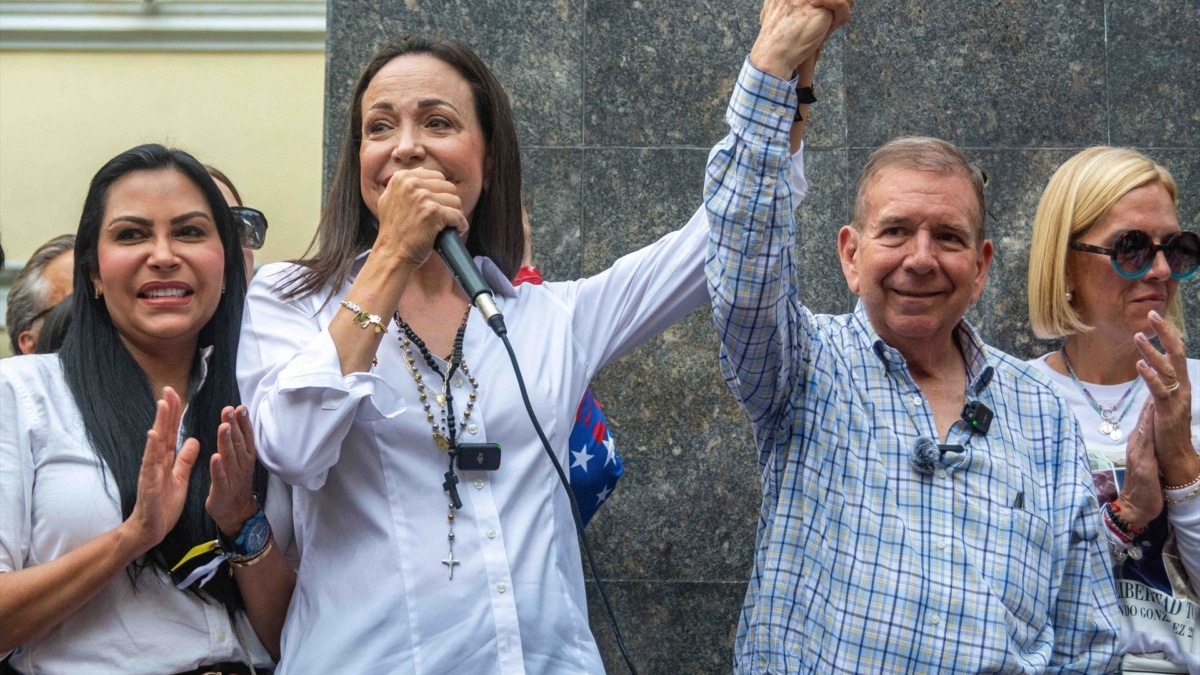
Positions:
(975, 352)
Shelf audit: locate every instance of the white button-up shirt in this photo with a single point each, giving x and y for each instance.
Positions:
(375, 593)
(56, 494)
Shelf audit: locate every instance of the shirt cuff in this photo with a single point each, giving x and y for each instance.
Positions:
(762, 104)
(318, 367)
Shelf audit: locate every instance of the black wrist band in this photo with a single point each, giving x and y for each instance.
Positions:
(805, 96)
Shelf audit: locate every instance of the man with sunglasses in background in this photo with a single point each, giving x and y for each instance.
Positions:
(44, 281)
(251, 222)
(927, 506)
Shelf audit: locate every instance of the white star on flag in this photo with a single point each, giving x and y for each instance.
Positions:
(581, 458)
(612, 449)
(602, 495)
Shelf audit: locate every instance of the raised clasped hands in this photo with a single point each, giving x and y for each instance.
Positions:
(163, 479)
(416, 205)
(792, 31)
(1166, 376)
(231, 499)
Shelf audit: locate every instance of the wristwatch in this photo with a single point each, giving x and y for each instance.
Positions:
(251, 541)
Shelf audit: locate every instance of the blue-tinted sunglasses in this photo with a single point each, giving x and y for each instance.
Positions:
(1133, 253)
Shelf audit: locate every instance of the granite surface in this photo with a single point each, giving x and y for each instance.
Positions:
(617, 103)
(1153, 66)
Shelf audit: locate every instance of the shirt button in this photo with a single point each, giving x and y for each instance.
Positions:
(458, 382)
(221, 636)
(917, 400)
(478, 483)
(491, 535)
(472, 428)
(501, 587)
(941, 473)
(935, 619)
(940, 544)
(778, 111)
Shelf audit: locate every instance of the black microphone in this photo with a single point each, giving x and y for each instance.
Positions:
(455, 255)
(927, 455)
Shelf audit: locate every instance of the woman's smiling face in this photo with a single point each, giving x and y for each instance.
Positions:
(418, 111)
(161, 262)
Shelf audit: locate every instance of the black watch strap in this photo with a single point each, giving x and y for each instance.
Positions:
(805, 96)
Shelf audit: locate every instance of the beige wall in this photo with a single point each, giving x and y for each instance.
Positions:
(256, 116)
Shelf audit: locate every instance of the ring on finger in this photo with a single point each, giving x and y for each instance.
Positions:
(1173, 387)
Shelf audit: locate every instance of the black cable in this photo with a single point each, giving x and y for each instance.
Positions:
(587, 549)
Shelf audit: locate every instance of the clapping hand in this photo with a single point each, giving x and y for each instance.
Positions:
(1166, 376)
(163, 479)
(231, 494)
(1141, 497)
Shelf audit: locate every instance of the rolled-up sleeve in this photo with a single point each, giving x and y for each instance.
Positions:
(291, 379)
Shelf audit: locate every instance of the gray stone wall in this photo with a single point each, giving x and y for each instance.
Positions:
(617, 104)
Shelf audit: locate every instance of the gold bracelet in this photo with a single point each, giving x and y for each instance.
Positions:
(249, 562)
(1188, 484)
(1195, 491)
(365, 318)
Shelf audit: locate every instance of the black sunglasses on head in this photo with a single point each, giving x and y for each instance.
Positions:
(1133, 253)
(253, 225)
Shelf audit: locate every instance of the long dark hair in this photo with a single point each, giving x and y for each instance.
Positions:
(113, 393)
(348, 228)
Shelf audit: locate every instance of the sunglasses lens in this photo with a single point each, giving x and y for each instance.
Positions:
(252, 225)
(1183, 254)
(1133, 253)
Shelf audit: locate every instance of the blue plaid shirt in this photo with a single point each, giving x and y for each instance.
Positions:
(992, 563)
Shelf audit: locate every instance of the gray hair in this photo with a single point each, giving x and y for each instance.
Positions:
(30, 294)
(921, 153)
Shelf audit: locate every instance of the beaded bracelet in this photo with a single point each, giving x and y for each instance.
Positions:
(1105, 516)
(1195, 491)
(365, 318)
(1188, 484)
(1129, 530)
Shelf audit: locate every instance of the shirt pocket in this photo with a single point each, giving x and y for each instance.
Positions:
(1017, 565)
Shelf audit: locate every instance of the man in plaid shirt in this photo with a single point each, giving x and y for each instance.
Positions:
(901, 530)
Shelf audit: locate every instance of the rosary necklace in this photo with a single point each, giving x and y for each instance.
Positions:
(1109, 426)
(444, 426)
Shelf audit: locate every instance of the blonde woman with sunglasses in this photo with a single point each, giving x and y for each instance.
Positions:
(1107, 261)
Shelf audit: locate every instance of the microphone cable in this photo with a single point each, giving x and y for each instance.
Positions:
(587, 548)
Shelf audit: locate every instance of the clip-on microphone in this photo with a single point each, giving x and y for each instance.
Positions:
(977, 415)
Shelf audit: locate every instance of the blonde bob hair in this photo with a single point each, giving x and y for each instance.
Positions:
(1079, 193)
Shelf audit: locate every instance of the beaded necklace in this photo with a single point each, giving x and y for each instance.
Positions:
(444, 434)
(444, 427)
(1109, 426)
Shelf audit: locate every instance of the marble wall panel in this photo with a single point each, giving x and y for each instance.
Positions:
(1153, 61)
(617, 103)
(977, 74)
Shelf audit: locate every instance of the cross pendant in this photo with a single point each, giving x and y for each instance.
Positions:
(450, 562)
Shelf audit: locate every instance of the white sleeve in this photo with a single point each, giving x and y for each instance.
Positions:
(16, 472)
(291, 380)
